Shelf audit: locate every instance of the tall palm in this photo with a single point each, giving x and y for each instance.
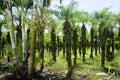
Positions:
(39, 23)
(67, 33)
(12, 29)
(43, 21)
(66, 13)
(31, 59)
(93, 32)
(75, 41)
(53, 40)
(104, 25)
(22, 8)
(83, 38)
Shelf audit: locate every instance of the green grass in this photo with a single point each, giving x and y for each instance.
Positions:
(81, 68)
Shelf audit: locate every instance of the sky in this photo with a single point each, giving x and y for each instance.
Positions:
(89, 5)
(93, 5)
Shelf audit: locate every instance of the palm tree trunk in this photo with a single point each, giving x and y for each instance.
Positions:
(119, 36)
(108, 50)
(0, 43)
(24, 49)
(80, 46)
(92, 40)
(53, 44)
(31, 59)
(103, 43)
(33, 30)
(58, 45)
(41, 49)
(113, 44)
(83, 42)
(67, 33)
(96, 45)
(75, 40)
(63, 46)
(103, 54)
(12, 30)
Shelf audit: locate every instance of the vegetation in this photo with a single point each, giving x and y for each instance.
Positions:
(68, 44)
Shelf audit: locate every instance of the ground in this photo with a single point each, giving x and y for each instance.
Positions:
(90, 70)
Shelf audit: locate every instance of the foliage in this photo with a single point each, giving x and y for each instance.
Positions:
(44, 20)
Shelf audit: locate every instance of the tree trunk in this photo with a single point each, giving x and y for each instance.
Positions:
(63, 46)
(92, 40)
(95, 45)
(12, 30)
(27, 47)
(24, 49)
(58, 45)
(108, 50)
(75, 40)
(67, 34)
(41, 49)
(53, 44)
(119, 37)
(113, 44)
(103, 41)
(103, 54)
(80, 42)
(83, 42)
(0, 43)
(31, 59)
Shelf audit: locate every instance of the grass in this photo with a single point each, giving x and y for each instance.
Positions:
(93, 65)
(81, 68)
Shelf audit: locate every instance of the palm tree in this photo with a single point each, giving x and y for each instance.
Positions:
(103, 31)
(67, 33)
(63, 46)
(0, 39)
(24, 5)
(66, 13)
(31, 59)
(41, 48)
(39, 19)
(75, 41)
(93, 32)
(53, 41)
(12, 29)
(83, 37)
(92, 40)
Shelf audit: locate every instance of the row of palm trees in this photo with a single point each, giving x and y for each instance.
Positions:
(74, 36)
